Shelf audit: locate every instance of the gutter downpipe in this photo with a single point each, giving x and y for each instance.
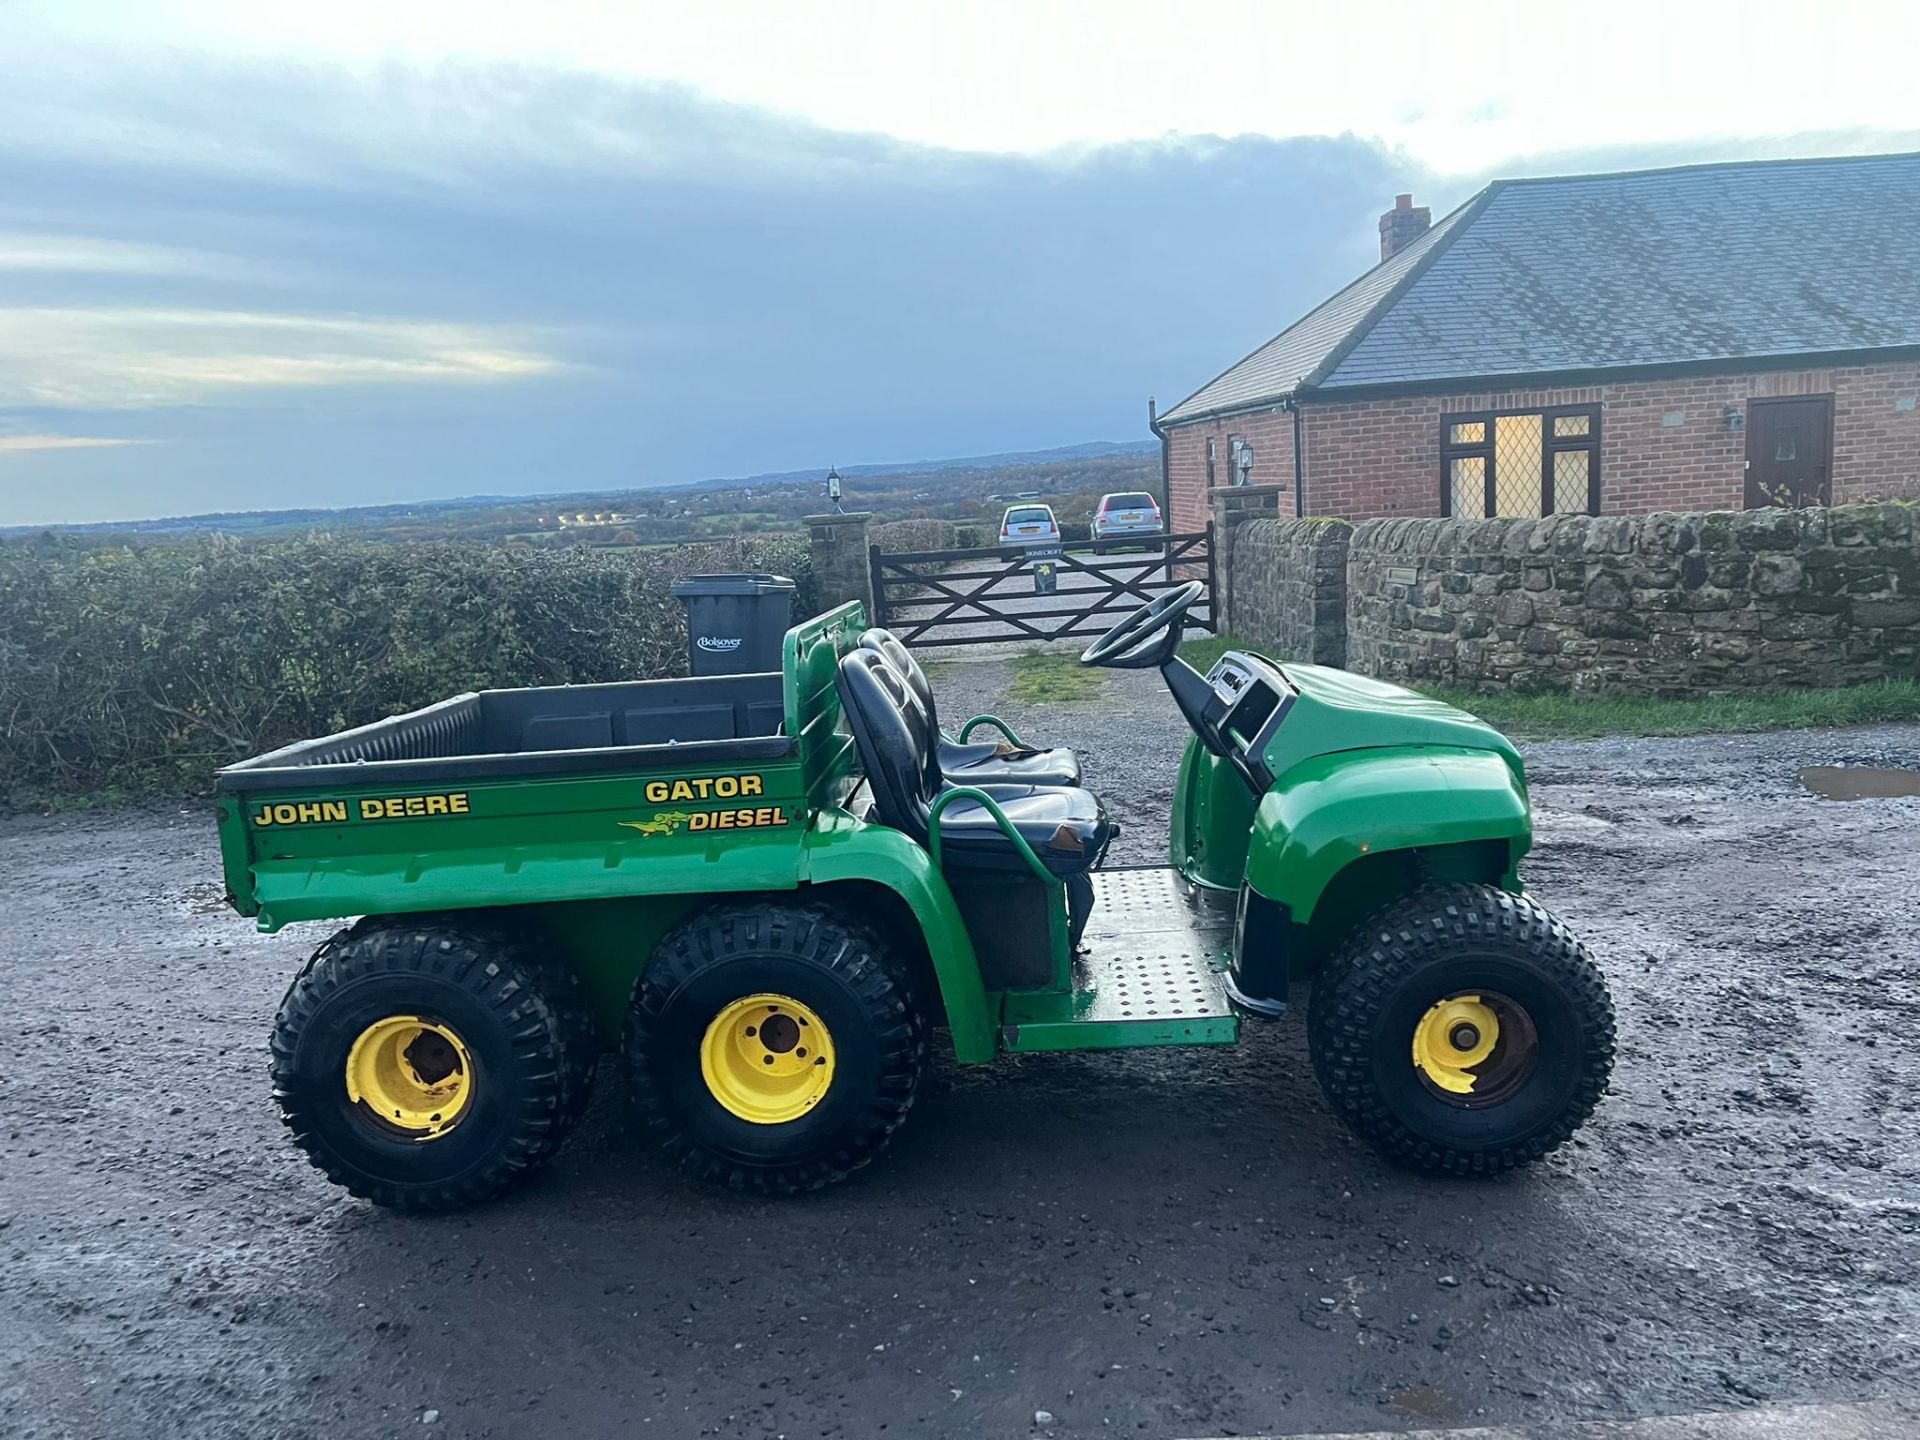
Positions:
(1166, 464)
(1292, 407)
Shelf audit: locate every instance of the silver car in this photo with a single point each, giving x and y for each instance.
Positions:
(1029, 525)
(1124, 516)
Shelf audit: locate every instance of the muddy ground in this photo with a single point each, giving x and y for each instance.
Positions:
(1170, 1243)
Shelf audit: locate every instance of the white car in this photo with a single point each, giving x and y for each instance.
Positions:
(1029, 525)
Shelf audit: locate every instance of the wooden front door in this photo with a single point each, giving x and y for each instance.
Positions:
(1790, 452)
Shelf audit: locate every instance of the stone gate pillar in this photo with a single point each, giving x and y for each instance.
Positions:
(841, 569)
(1230, 506)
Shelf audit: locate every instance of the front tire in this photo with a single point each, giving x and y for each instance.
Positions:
(430, 1062)
(1463, 1031)
(774, 1047)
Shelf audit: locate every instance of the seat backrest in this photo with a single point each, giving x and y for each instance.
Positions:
(901, 658)
(893, 737)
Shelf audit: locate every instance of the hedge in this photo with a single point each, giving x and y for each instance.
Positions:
(140, 671)
(910, 536)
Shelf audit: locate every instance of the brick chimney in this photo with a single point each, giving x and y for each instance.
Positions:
(1402, 225)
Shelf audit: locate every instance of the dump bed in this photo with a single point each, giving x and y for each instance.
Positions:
(549, 730)
(506, 797)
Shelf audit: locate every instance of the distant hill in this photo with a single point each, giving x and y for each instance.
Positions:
(359, 517)
(1091, 450)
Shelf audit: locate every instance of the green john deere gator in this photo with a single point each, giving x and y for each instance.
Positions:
(775, 891)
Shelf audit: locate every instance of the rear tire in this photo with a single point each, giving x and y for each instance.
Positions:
(1488, 972)
(737, 988)
(429, 1062)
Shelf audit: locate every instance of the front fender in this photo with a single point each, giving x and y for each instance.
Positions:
(1333, 809)
(840, 847)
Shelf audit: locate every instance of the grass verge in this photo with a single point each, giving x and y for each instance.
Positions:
(1201, 651)
(1040, 679)
(1559, 716)
(1586, 717)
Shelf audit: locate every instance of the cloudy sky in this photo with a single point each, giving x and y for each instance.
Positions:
(261, 255)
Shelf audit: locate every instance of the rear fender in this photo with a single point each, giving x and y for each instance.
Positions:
(1333, 810)
(841, 848)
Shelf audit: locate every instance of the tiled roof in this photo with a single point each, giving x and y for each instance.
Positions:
(1535, 277)
(1278, 366)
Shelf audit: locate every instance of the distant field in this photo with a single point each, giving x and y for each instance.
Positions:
(647, 518)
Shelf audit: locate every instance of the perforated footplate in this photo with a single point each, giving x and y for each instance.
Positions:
(1155, 982)
(1150, 947)
(1147, 972)
(1156, 898)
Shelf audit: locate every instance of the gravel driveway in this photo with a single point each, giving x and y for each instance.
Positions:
(1158, 1243)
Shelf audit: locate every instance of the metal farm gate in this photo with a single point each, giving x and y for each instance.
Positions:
(986, 596)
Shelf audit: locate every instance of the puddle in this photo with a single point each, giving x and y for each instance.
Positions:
(1859, 782)
(204, 898)
(1425, 1401)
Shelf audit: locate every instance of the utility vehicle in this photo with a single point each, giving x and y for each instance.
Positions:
(776, 892)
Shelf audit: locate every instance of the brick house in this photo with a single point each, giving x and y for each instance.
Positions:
(1710, 337)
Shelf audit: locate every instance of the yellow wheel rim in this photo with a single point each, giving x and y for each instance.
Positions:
(1452, 1038)
(767, 1059)
(412, 1075)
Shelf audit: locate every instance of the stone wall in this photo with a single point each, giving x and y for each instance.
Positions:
(1665, 604)
(1288, 588)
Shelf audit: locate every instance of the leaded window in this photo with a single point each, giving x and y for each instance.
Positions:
(1522, 462)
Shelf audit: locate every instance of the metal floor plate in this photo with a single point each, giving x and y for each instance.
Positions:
(1147, 972)
(1156, 898)
(1150, 947)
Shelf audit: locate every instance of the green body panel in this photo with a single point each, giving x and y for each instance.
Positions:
(1212, 818)
(1330, 811)
(1361, 768)
(526, 842)
(1338, 710)
(1035, 1022)
(810, 663)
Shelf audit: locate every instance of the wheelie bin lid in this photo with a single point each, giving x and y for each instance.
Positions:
(733, 585)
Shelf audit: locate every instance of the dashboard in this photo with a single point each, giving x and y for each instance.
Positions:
(1248, 699)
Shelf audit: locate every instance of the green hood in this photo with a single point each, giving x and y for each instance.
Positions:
(1338, 710)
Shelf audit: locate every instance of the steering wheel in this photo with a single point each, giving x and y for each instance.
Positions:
(1126, 646)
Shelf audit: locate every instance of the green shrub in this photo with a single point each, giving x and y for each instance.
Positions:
(142, 670)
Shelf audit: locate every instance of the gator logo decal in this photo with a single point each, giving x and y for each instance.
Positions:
(665, 823)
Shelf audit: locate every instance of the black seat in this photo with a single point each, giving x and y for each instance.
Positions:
(988, 762)
(1067, 827)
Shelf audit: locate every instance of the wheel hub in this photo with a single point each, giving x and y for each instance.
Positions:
(1452, 1037)
(412, 1075)
(767, 1059)
(1475, 1051)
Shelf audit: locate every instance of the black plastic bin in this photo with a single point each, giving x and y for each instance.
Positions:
(735, 623)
